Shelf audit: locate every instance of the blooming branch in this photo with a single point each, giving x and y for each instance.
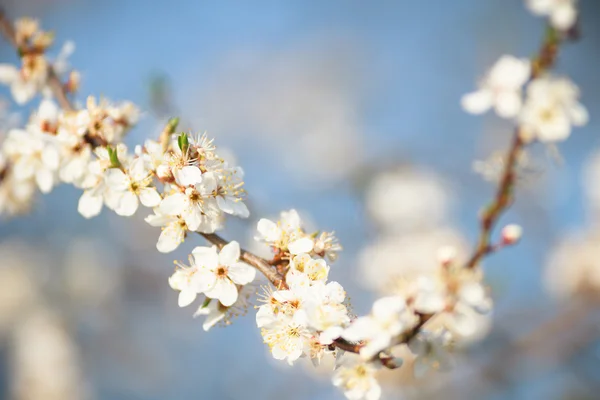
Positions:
(191, 189)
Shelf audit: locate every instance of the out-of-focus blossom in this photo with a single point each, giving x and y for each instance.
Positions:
(562, 13)
(552, 107)
(406, 199)
(501, 88)
(574, 265)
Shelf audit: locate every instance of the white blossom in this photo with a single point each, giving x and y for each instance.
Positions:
(356, 378)
(551, 108)
(196, 204)
(287, 234)
(431, 351)
(221, 272)
(501, 88)
(388, 319)
(173, 230)
(562, 13)
(126, 187)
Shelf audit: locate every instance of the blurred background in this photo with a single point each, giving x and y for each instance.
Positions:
(349, 112)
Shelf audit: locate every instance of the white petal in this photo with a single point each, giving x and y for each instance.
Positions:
(477, 102)
(269, 230)
(205, 257)
(51, 158)
(192, 217)
(564, 16)
(137, 170)
(173, 204)
(230, 253)
(225, 291)
(241, 273)
(579, 115)
(116, 179)
(186, 297)
(187, 176)
(508, 104)
(45, 180)
(22, 92)
(303, 245)
(160, 220)
(89, 205)
(149, 197)
(128, 204)
(8, 74)
(170, 238)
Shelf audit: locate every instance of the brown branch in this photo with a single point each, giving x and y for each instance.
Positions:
(257, 262)
(544, 60)
(58, 89)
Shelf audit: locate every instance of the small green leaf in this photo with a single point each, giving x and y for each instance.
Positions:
(183, 142)
(172, 125)
(114, 157)
(206, 302)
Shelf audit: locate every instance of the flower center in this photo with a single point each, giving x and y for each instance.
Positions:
(222, 272)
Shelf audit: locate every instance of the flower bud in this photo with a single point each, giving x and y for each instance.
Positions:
(446, 255)
(511, 234)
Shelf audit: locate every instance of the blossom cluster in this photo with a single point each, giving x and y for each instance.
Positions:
(309, 317)
(545, 108)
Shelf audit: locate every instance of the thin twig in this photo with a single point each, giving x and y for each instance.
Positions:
(544, 60)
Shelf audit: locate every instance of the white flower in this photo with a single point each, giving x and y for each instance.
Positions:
(286, 234)
(325, 311)
(230, 192)
(388, 319)
(125, 188)
(431, 351)
(405, 200)
(471, 302)
(357, 378)
(34, 155)
(173, 233)
(562, 13)
(188, 282)
(315, 269)
(221, 272)
(287, 337)
(24, 86)
(501, 88)
(326, 245)
(196, 205)
(94, 181)
(216, 312)
(551, 108)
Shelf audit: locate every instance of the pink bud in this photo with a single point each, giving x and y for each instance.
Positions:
(511, 234)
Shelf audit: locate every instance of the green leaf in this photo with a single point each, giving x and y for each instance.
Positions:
(114, 157)
(172, 125)
(183, 142)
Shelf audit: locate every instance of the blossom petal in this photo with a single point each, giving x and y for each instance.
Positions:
(149, 197)
(477, 102)
(186, 297)
(268, 230)
(299, 246)
(128, 204)
(116, 179)
(241, 273)
(89, 205)
(225, 291)
(170, 238)
(188, 175)
(173, 204)
(205, 257)
(230, 253)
